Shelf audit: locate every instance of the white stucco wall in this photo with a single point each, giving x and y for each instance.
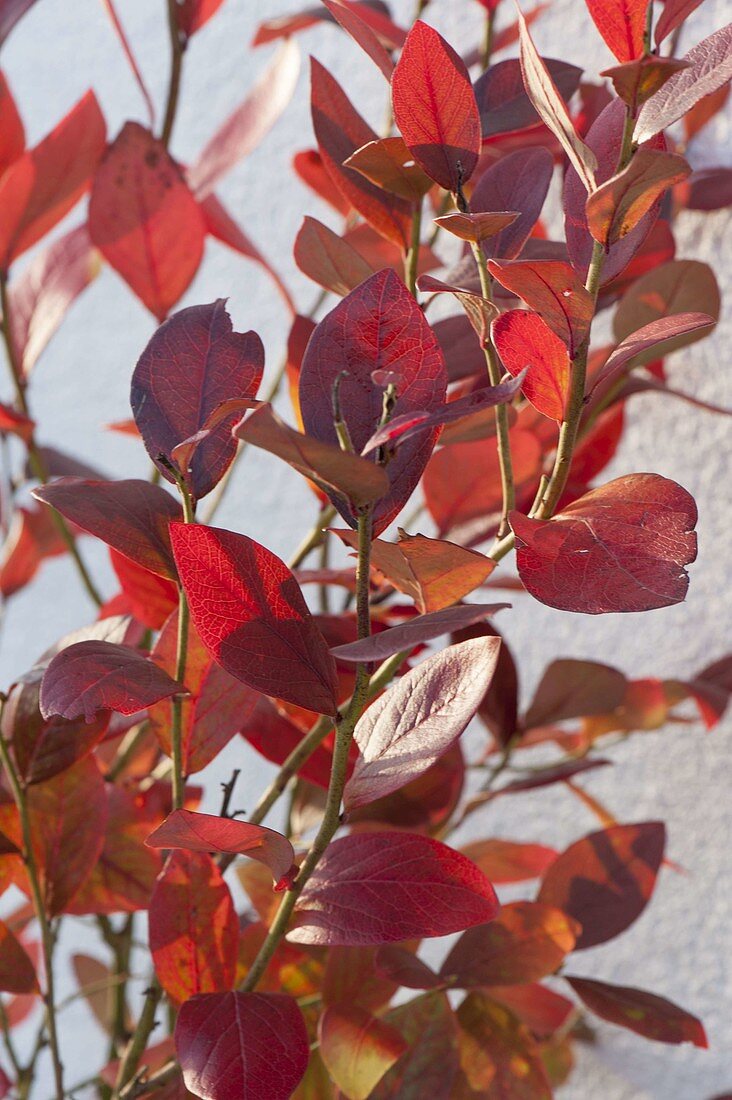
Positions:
(682, 945)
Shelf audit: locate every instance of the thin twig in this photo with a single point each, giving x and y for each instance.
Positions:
(177, 48)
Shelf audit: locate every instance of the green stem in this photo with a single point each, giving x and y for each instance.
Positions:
(138, 1042)
(39, 909)
(176, 735)
(344, 734)
(120, 944)
(485, 58)
(501, 411)
(315, 536)
(177, 47)
(35, 458)
(411, 261)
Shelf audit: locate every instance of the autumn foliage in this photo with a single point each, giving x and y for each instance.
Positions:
(449, 380)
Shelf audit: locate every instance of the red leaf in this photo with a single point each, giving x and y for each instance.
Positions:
(193, 929)
(44, 748)
(147, 596)
(621, 202)
(425, 804)
(527, 941)
(357, 1048)
(192, 364)
(405, 968)
(551, 108)
(523, 340)
(435, 108)
(16, 423)
(710, 66)
(12, 132)
(132, 516)
(47, 181)
(17, 973)
(606, 879)
(91, 676)
(275, 737)
(416, 631)
(479, 311)
(385, 887)
(379, 326)
(635, 535)
(352, 976)
(575, 689)
(123, 877)
(605, 139)
(329, 260)
(212, 713)
(250, 1045)
(431, 1062)
(637, 81)
(541, 1009)
(340, 131)
(32, 537)
(499, 707)
(647, 1014)
(350, 19)
(551, 289)
(352, 479)
(519, 181)
(40, 297)
(248, 124)
(622, 24)
(206, 833)
(502, 99)
(508, 861)
(252, 618)
(666, 290)
(144, 219)
(476, 227)
(192, 14)
(309, 166)
(414, 723)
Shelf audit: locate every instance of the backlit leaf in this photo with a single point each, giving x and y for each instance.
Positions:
(505, 861)
(524, 339)
(144, 219)
(710, 66)
(384, 887)
(622, 24)
(430, 1064)
(388, 163)
(647, 1014)
(499, 1057)
(196, 832)
(357, 1048)
(605, 880)
(193, 929)
(42, 186)
(193, 14)
(192, 364)
(252, 617)
(527, 941)
(132, 516)
(248, 1045)
(91, 676)
(148, 596)
(550, 288)
(435, 108)
(417, 720)
(674, 13)
(379, 326)
(622, 547)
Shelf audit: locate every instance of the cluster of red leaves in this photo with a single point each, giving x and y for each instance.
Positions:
(210, 637)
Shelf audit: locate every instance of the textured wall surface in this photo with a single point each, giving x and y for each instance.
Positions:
(682, 945)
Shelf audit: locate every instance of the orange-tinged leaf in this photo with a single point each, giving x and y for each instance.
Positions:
(605, 880)
(637, 81)
(193, 927)
(499, 1057)
(149, 597)
(524, 339)
(357, 1048)
(430, 1063)
(352, 976)
(618, 205)
(526, 942)
(476, 227)
(144, 219)
(575, 689)
(647, 1014)
(505, 861)
(388, 163)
